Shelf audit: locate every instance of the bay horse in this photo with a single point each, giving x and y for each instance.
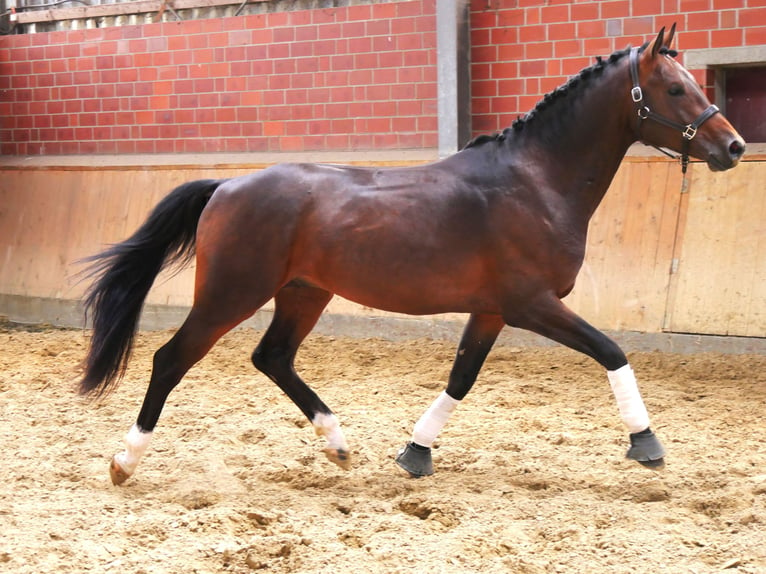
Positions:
(497, 230)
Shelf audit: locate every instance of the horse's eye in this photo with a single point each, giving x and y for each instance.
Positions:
(676, 90)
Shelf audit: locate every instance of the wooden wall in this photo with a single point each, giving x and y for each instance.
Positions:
(720, 287)
(662, 255)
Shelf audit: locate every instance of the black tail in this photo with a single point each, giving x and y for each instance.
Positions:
(125, 272)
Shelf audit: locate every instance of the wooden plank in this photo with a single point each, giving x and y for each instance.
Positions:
(624, 280)
(721, 284)
(52, 217)
(120, 9)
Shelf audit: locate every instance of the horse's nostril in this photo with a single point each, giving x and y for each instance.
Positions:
(736, 149)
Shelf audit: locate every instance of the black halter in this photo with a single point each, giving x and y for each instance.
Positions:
(688, 131)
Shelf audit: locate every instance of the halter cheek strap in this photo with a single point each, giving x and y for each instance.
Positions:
(688, 131)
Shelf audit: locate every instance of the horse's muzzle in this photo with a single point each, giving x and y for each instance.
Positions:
(729, 158)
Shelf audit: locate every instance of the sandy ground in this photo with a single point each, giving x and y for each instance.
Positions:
(530, 475)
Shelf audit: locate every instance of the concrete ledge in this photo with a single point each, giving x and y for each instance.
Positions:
(208, 160)
(638, 152)
(67, 313)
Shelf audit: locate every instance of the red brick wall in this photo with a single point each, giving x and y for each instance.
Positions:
(522, 49)
(357, 77)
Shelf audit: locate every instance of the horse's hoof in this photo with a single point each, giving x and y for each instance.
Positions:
(647, 450)
(339, 456)
(416, 460)
(117, 473)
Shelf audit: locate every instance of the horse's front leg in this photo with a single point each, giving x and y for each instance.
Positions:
(549, 317)
(478, 337)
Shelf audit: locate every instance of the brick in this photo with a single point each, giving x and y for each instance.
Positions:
(532, 16)
(326, 48)
(723, 38)
(647, 8)
(44, 80)
(572, 66)
(508, 18)
(291, 143)
(61, 121)
(490, 53)
(561, 32)
(753, 16)
(638, 26)
(282, 35)
(324, 16)
(499, 36)
(481, 18)
(161, 58)
(702, 20)
(386, 75)
(693, 40)
(615, 9)
(567, 48)
(107, 76)
(727, 4)
(538, 50)
(591, 29)
(276, 82)
(584, 11)
(555, 13)
(694, 5)
(183, 42)
(755, 36)
(728, 19)
(42, 121)
(484, 89)
(533, 34)
(426, 92)
(601, 46)
(532, 68)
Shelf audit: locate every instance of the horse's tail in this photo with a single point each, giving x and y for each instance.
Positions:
(124, 273)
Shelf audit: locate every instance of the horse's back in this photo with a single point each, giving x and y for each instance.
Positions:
(382, 237)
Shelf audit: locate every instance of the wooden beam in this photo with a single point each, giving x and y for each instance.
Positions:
(121, 9)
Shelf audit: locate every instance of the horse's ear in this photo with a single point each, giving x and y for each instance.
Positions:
(658, 42)
(671, 34)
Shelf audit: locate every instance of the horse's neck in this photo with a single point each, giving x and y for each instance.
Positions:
(589, 143)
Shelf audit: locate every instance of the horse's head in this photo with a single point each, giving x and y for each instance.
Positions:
(673, 111)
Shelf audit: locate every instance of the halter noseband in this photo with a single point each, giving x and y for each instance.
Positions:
(688, 131)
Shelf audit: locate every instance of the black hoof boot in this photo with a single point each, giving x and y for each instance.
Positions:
(646, 449)
(416, 460)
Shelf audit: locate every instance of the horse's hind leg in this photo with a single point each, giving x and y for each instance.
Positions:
(191, 342)
(297, 309)
(551, 318)
(478, 337)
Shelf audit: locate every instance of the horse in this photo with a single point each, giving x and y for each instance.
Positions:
(496, 231)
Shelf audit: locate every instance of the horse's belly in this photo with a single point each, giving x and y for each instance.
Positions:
(416, 292)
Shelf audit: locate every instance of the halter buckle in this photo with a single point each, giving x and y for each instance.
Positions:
(636, 94)
(689, 132)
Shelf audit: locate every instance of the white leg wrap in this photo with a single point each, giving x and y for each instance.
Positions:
(328, 426)
(625, 389)
(433, 420)
(136, 443)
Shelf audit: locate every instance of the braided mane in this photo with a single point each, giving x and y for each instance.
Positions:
(570, 89)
